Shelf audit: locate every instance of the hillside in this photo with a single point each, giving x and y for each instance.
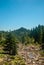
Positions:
(27, 55)
(22, 46)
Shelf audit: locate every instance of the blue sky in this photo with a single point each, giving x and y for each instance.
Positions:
(21, 13)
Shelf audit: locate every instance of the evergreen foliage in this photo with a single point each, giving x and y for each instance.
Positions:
(22, 35)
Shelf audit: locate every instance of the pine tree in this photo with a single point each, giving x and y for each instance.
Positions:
(10, 45)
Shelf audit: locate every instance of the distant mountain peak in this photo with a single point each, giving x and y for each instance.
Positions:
(22, 29)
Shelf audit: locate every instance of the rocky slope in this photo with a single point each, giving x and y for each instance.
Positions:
(31, 54)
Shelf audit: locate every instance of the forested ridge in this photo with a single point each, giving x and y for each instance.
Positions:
(24, 35)
(22, 46)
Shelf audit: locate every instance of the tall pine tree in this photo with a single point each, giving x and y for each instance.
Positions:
(10, 45)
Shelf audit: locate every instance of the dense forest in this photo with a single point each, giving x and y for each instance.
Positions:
(24, 36)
